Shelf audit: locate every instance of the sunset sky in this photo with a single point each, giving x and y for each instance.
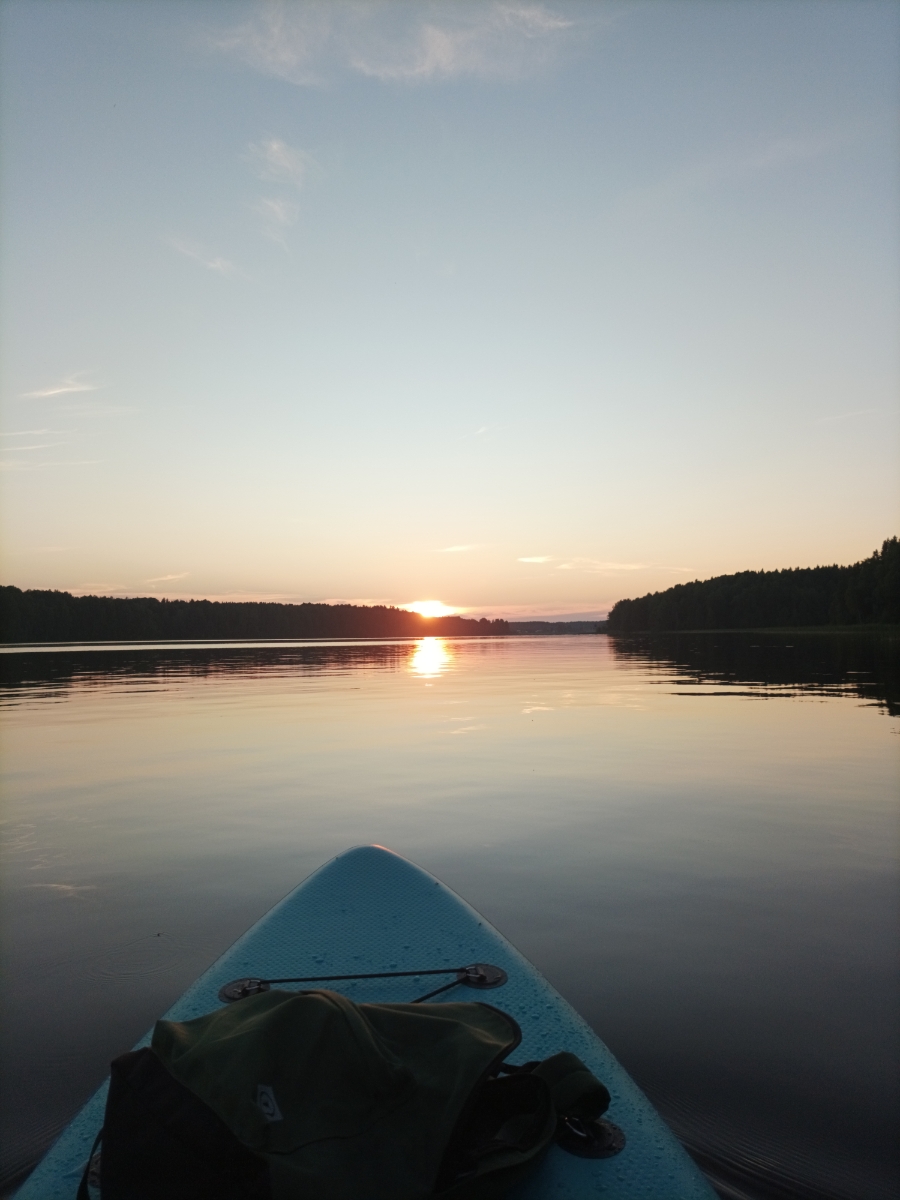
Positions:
(518, 307)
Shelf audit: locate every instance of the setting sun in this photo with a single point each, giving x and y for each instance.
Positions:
(431, 608)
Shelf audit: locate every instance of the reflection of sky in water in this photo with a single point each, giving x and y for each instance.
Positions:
(695, 841)
(431, 657)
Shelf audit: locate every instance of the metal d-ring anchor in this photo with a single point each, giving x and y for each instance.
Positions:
(476, 975)
(589, 1139)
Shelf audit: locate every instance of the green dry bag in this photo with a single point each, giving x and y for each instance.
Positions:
(377, 1101)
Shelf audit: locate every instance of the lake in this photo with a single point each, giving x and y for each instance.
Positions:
(695, 838)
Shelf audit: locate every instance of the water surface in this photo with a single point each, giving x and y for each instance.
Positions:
(694, 838)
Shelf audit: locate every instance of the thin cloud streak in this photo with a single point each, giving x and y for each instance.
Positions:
(456, 549)
(65, 889)
(71, 384)
(166, 578)
(698, 177)
(32, 432)
(278, 162)
(190, 250)
(596, 566)
(275, 161)
(860, 412)
(498, 43)
(305, 44)
(278, 215)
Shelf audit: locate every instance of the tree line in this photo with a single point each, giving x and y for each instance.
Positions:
(53, 616)
(867, 592)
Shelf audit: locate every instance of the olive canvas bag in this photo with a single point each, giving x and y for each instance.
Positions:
(296, 1095)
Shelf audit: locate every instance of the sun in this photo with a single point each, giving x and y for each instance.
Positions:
(430, 608)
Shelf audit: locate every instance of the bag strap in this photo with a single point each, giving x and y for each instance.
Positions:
(579, 1098)
(576, 1091)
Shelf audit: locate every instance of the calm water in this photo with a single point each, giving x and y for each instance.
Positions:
(695, 839)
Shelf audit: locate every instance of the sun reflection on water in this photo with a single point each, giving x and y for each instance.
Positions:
(430, 658)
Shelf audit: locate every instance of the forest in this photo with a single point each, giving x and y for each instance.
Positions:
(52, 616)
(865, 593)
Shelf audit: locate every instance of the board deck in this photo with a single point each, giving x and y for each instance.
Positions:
(371, 910)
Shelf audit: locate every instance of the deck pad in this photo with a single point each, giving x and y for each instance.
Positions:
(370, 910)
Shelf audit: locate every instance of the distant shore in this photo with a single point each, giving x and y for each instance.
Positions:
(865, 593)
(41, 617)
(53, 616)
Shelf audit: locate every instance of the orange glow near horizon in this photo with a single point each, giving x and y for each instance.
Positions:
(431, 608)
(431, 658)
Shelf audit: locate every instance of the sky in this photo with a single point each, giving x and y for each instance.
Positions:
(518, 307)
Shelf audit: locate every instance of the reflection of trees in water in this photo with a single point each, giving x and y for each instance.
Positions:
(864, 664)
(61, 670)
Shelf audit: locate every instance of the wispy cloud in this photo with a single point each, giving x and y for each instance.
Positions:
(476, 433)
(40, 446)
(278, 162)
(592, 565)
(305, 43)
(495, 40)
(456, 549)
(859, 412)
(278, 215)
(65, 889)
(767, 156)
(166, 578)
(71, 384)
(35, 433)
(191, 250)
(595, 565)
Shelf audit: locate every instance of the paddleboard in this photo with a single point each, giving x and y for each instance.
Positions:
(371, 911)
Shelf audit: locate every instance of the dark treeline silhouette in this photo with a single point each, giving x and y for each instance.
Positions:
(49, 616)
(866, 593)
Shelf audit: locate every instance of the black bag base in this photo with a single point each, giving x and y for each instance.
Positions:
(159, 1142)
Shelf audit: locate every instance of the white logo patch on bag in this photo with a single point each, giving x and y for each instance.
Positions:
(266, 1103)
